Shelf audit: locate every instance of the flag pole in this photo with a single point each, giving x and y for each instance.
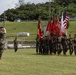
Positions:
(49, 8)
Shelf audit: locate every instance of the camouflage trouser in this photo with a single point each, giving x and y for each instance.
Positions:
(59, 48)
(37, 47)
(64, 48)
(1, 51)
(15, 48)
(75, 50)
(70, 49)
(51, 48)
(55, 48)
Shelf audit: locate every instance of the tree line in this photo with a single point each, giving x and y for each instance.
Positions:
(31, 11)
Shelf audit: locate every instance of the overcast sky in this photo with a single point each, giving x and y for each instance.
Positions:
(8, 4)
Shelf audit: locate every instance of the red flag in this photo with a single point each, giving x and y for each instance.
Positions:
(55, 28)
(40, 34)
(48, 28)
(52, 30)
(58, 31)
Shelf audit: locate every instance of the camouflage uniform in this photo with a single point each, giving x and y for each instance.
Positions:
(2, 34)
(15, 44)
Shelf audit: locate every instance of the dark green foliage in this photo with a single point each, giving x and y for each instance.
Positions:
(33, 11)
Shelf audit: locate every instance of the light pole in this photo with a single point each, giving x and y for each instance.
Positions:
(4, 23)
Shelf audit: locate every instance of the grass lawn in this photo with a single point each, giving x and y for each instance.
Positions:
(31, 26)
(26, 62)
(27, 26)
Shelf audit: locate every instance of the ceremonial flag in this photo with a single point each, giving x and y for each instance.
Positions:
(64, 20)
(40, 34)
(48, 28)
(55, 27)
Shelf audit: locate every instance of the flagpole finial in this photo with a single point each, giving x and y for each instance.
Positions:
(65, 8)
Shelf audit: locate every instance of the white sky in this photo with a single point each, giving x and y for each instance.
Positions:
(8, 4)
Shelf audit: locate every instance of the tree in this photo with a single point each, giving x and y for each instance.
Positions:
(33, 11)
(21, 2)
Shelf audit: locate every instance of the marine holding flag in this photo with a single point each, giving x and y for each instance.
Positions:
(53, 40)
(39, 39)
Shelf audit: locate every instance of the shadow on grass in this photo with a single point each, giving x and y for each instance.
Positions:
(51, 55)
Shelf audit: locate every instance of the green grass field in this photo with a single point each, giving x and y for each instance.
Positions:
(31, 26)
(15, 27)
(72, 28)
(26, 62)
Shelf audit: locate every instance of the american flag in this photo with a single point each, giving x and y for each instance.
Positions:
(64, 19)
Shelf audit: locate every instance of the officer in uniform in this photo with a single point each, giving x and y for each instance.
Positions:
(2, 34)
(15, 44)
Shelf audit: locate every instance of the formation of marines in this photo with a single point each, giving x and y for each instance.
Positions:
(56, 45)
